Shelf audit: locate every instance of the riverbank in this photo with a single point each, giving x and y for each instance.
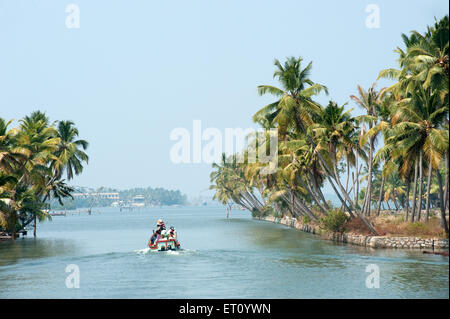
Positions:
(364, 240)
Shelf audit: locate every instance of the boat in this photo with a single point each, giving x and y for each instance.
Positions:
(58, 214)
(165, 244)
(442, 253)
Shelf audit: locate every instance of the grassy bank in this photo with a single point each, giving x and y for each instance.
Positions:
(386, 224)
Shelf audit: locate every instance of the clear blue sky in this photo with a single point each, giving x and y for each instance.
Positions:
(135, 70)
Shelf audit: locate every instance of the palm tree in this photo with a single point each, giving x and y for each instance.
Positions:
(417, 132)
(335, 134)
(69, 156)
(370, 101)
(422, 89)
(394, 188)
(32, 158)
(294, 111)
(230, 183)
(428, 57)
(10, 155)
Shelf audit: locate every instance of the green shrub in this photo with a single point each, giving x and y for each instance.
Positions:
(335, 221)
(263, 212)
(306, 219)
(257, 214)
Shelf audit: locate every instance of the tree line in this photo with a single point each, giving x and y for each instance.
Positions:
(151, 196)
(318, 144)
(36, 158)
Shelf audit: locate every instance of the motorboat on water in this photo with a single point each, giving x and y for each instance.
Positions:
(162, 239)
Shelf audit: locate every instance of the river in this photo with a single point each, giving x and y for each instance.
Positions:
(221, 258)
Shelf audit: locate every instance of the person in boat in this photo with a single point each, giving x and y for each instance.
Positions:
(160, 227)
(172, 233)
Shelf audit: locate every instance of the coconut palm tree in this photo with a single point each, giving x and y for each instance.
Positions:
(29, 176)
(428, 57)
(335, 134)
(417, 133)
(370, 101)
(69, 156)
(10, 154)
(294, 111)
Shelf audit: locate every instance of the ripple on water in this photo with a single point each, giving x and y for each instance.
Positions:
(147, 250)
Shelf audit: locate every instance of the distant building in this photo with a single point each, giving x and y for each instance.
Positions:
(138, 201)
(113, 196)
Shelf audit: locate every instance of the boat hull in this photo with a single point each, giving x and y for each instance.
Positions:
(165, 245)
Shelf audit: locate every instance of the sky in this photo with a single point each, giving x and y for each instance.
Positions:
(133, 71)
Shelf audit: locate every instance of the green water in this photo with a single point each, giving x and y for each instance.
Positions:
(221, 258)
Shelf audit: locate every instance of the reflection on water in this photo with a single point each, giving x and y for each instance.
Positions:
(220, 258)
(416, 276)
(307, 262)
(27, 249)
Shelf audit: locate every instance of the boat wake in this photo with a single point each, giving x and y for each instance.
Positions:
(147, 250)
(143, 251)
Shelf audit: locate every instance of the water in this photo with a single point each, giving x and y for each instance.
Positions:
(221, 258)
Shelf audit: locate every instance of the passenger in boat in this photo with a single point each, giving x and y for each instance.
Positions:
(160, 227)
(172, 233)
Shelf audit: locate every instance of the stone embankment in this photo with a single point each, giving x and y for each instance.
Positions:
(363, 240)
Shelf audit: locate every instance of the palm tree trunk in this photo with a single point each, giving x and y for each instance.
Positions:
(250, 199)
(360, 215)
(339, 195)
(430, 173)
(34, 226)
(246, 203)
(446, 192)
(304, 208)
(327, 169)
(369, 181)
(348, 175)
(317, 189)
(254, 199)
(397, 207)
(419, 215)
(408, 186)
(357, 183)
(293, 203)
(365, 201)
(254, 202)
(441, 198)
(243, 204)
(350, 190)
(380, 195)
(363, 207)
(354, 188)
(416, 167)
(14, 225)
(330, 173)
(314, 197)
(325, 203)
